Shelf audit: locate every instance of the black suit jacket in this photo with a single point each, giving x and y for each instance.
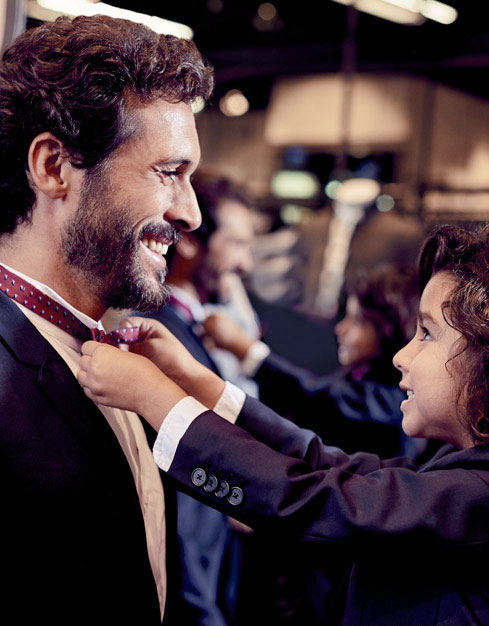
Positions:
(418, 537)
(350, 410)
(73, 547)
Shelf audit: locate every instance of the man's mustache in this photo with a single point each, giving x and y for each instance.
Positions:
(162, 232)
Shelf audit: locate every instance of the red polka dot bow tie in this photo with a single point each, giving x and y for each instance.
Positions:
(35, 300)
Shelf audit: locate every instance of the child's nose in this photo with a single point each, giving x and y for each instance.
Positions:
(402, 359)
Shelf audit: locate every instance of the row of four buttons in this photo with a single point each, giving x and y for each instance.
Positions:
(220, 488)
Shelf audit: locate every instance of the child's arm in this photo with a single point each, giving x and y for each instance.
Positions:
(159, 345)
(123, 380)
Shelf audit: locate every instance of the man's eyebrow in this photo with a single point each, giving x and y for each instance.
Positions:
(424, 316)
(173, 161)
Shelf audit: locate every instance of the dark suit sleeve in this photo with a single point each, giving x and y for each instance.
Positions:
(287, 388)
(288, 476)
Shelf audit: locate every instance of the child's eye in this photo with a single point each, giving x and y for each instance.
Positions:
(425, 333)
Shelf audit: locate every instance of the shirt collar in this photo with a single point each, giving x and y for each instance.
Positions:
(190, 301)
(85, 319)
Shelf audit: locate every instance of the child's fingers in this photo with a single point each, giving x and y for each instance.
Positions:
(82, 377)
(86, 384)
(148, 327)
(84, 363)
(85, 375)
(90, 387)
(89, 347)
(139, 322)
(90, 395)
(128, 322)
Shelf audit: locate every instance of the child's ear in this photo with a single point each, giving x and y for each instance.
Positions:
(188, 247)
(49, 168)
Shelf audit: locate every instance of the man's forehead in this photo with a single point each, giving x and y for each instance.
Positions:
(168, 128)
(170, 115)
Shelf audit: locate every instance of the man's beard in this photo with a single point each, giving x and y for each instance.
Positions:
(105, 250)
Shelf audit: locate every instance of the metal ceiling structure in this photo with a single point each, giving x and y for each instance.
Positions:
(322, 36)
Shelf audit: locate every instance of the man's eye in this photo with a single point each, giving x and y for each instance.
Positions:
(171, 175)
(168, 176)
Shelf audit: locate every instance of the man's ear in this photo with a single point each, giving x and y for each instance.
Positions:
(48, 165)
(188, 247)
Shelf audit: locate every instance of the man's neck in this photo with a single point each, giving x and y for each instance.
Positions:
(35, 248)
(55, 275)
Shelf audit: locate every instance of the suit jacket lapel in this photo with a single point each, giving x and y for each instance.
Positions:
(54, 376)
(82, 416)
(19, 335)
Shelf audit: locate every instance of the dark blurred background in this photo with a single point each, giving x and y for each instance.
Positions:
(355, 134)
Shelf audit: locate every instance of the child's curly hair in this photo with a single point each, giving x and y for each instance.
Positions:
(465, 255)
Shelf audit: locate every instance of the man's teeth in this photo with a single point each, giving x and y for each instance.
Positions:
(155, 246)
(410, 394)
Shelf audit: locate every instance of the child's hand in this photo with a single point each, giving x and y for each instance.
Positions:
(159, 345)
(117, 378)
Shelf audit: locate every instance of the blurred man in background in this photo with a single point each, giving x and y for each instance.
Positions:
(206, 268)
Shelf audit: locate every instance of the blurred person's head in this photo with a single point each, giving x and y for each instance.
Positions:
(222, 244)
(98, 143)
(380, 314)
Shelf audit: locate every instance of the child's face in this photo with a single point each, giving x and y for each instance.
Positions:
(430, 409)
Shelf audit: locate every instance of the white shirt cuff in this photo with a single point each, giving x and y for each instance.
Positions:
(230, 403)
(173, 429)
(183, 414)
(255, 356)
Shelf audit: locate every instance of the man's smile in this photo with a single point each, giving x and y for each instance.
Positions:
(155, 251)
(156, 240)
(155, 246)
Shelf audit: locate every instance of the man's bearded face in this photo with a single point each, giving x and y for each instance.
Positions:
(105, 249)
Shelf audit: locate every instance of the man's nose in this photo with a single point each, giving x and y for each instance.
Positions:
(185, 212)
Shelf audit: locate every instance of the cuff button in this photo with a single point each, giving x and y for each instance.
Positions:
(211, 483)
(199, 477)
(223, 489)
(236, 497)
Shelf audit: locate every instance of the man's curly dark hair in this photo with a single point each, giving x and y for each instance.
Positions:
(80, 80)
